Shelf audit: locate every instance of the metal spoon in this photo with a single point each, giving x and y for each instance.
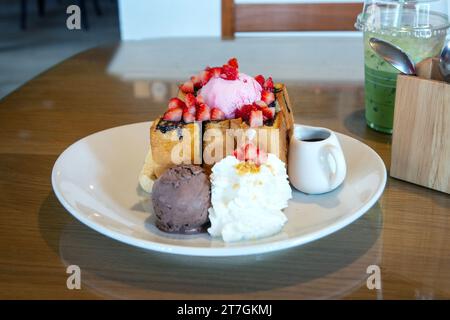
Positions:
(444, 62)
(393, 55)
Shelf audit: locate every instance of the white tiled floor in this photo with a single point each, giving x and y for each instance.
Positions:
(26, 53)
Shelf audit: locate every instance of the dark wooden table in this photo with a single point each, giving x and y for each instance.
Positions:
(406, 234)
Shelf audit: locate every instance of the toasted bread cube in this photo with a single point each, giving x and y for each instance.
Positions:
(273, 138)
(177, 145)
(216, 142)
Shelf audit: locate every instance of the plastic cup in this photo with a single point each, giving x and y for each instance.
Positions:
(418, 27)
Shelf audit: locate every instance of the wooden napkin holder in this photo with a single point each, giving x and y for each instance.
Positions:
(421, 133)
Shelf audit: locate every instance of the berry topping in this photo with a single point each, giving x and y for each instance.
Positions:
(249, 152)
(176, 103)
(260, 79)
(188, 116)
(268, 113)
(268, 97)
(194, 107)
(268, 84)
(197, 81)
(173, 114)
(205, 76)
(256, 119)
(229, 72)
(190, 100)
(245, 110)
(239, 154)
(200, 99)
(215, 72)
(203, 113)
(217, 114)
(233, 63)
(191, 110)
(261, 157)
(261, 104)
(187, 87)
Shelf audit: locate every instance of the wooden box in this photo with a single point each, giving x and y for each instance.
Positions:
(421, 134)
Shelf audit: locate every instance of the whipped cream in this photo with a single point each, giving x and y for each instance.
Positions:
(247, 202)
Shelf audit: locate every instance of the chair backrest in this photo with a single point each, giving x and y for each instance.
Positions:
(287, 17)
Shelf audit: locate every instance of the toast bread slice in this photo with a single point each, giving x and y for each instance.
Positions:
(275, 136)
(169, 148)
(217, 144)
(271, 137)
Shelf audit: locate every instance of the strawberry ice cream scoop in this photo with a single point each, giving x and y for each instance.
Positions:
(229, 95)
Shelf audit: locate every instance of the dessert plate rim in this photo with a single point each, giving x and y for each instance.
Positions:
(235, 250)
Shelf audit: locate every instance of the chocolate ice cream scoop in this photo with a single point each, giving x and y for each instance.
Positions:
(181, 199)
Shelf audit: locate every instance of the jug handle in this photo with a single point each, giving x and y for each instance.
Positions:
(332, 151)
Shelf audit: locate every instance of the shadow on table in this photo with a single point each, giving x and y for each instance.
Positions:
(355, 123)
(331, 267)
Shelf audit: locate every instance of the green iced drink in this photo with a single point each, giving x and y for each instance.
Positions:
(381, 77)
(418, 27)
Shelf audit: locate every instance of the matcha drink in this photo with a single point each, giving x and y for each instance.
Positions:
(380, 77)
(418, 27)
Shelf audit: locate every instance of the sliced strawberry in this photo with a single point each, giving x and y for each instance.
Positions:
(203, 113)
(251, 152)
(200, 99)
(268, 97)
(191, 110)
(173, 114)
(188, 117)
(261, 157)
(244, 111)
(260, 79)
(268, 84)
(215, 72)
(190, 100)
(217, 114)
(187, 87)
(197, 81)
(268, 113)
(256, 119)
(229, 72)
(261, 104)
(234, 63)
(176, 103)
(205, 76)
(239, 154)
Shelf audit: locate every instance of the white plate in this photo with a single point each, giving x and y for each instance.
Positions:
(96, 180)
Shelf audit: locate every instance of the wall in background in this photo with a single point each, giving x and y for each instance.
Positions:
(143, 19)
